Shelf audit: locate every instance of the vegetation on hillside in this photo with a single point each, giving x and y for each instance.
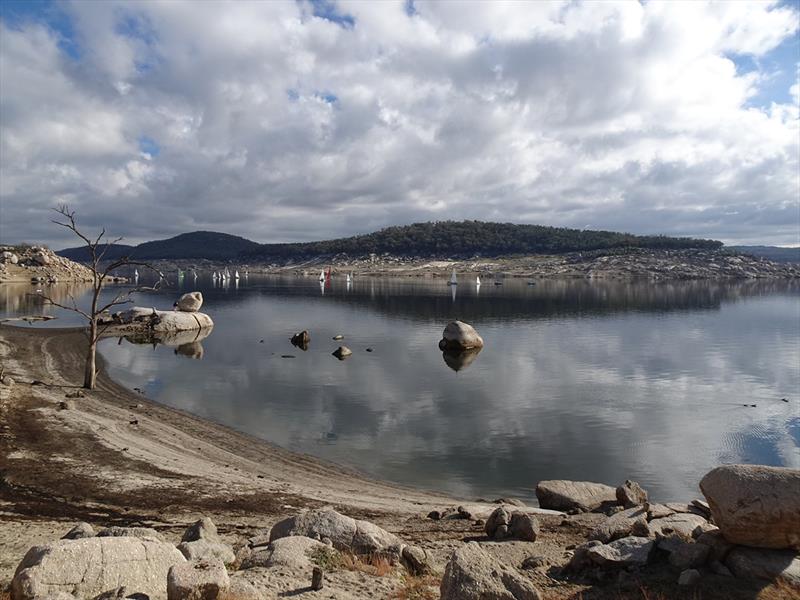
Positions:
(773, 253)
(473, 238)
(199, 244)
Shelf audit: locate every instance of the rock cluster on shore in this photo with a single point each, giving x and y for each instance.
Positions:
(36, 264)
(135, 562)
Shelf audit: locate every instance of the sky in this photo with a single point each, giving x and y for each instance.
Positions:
(304, 120)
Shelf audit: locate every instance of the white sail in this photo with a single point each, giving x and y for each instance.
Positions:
(348, 278)
(477, 280)
(322, 275)
(236, 274)
(453, 280)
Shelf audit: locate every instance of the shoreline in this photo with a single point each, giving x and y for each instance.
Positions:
(114, 458)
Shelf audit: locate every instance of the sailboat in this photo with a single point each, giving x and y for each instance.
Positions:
(236, 274)
(322, 276)
(453, 280)
(136, 275)
(349, 278)
(478, 280)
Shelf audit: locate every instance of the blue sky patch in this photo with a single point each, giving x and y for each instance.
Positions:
(18, 13)
(327, 9)
(149, 146)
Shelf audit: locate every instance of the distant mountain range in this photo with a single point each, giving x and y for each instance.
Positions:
(773, 253)
(199, 244)
(438, 239)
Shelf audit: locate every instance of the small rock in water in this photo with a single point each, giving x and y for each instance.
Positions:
(288, 356)
(369, 349)
(342, 352)
(338, 337)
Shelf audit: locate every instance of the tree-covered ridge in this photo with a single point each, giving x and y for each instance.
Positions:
(210, 245)
(474, 238)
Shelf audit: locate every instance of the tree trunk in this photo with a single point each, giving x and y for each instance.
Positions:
(90, 371)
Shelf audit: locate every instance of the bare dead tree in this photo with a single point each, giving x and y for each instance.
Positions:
(97, 248)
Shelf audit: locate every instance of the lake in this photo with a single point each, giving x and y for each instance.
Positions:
(599, 381)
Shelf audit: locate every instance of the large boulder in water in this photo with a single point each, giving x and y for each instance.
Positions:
(473, 574)
(161, 321)
(88, 567)
(562, 494)
(755, 505)
(459, 336)
(190, 302)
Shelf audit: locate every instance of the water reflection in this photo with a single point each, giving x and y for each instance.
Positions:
(580, 380)
(460, 360)
(184, 343)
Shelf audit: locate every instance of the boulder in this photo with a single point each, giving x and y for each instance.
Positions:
(498, 520)
(580, 557)
(523, 527)
(197, 580)
(459, 336)
(561, 494)
(301, 340)
(689, 555)
(137, 532)
(626, 552)
(293, 551)
(415, 560)
(9, 257)
(718, 545)
(241, 589)
(91, 566)
(161, 321)
(190, 302)
(755, 505)
(760, 563)
(681, 523)
(342, 352)
(41, 259)
(632, 521)
(473, 574)
(689, 577)
(344, 532)
(204, 549)
(631, 494)
(202, 529)
(79, 532)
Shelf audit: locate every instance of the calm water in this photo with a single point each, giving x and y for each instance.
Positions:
(578, 380)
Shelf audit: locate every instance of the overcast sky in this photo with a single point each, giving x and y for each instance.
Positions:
(284, 121)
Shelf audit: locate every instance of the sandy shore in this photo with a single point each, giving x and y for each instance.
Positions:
(114, 458)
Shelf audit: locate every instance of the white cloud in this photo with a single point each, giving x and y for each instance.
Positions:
(276, 124)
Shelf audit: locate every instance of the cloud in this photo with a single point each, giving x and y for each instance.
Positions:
(292, 120)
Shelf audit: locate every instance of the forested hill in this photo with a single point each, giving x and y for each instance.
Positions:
(472, 238)
(199, 244)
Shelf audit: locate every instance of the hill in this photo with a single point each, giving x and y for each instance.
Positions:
(471, 238)
(773, 253)
(199, 244)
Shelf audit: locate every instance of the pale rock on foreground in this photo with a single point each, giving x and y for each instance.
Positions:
(561, 494)
(197, 580)
(473, 574)
(293, 551)
(201, 541)
(88, 567)
(344, 532)
(755, 505)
